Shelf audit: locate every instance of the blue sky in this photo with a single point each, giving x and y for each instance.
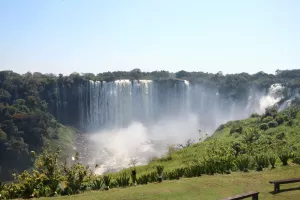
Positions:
(63, 36)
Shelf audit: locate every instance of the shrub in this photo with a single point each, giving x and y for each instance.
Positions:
(280, 136)
(279, 120)
(267, 119)
(123, 180)
(243, 162)
(263, 126)
(272, 160)
(296, 159)
(209, 166)
(106, 179)
(286, 117)
(159, 170)
(236, 129)
(152, 177)
(272, 124)
(290, 122)
(172, 175)
(284, 156)
(179, 172)
(254, 115)
(221, 127)
(133, 176)
(193, 171)
(143, 180)
(260, 161)
(97, 184)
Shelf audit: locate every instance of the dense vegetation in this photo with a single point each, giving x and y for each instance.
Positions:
(25, 123)
(243, 145)
(30, 117)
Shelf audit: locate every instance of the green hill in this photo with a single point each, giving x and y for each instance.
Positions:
(240, 156)
(271, 134)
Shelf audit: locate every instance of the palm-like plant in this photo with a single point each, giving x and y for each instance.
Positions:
(160, 169)
(284, 156)
(106, 179)
(243, 162)
(123, 180)
(97, 184)
(272, 160)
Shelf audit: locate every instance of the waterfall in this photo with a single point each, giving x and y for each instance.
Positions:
(116, 104)
(141, 118)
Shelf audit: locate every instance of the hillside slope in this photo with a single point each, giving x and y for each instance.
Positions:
(272, 133)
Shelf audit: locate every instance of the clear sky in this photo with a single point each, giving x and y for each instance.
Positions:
(63, 36)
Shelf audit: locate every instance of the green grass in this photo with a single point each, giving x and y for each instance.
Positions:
(187, 156)
(205, 187)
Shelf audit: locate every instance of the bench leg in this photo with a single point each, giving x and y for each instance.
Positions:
(255, 197)
(276, 187)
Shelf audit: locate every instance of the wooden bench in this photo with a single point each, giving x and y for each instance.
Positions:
(254, 196)
(283, 181)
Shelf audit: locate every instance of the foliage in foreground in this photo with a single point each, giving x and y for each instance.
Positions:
(249, 148)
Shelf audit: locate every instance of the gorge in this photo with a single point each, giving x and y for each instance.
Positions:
(139, 119)
(125, 115)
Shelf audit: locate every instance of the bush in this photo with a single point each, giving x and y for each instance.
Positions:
(221, 127)
(267, 119)
(296, 159)
(106, 179)
(286, 117)
(143, 180)
(284, 156)
(123, 180)
(193, 171)
(290, 122)
(179, 172)
(243, 162)
(133, 176)
(279, 120)
(263, 126)
(280, 136)
(261, 162)
(272, 160)
(152, 177)
(254, 115)
(97, 184)
(236, 129)
(272, 124)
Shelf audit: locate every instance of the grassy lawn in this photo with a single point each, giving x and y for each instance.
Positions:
(205, 187)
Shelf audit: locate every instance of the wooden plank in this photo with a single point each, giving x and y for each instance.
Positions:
(242, 196)
(284, 181)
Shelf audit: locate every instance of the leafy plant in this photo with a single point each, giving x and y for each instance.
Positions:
(123, 180)
(284, 156)
(243, 162)
(263, 126)
(267, 119)
(133, 176)
(179, 172)
(260, 161)
(97, 184)
(106, 179)
(272, 160)
(152, 177)
(272, 124)
(143, 180)
(159, 170)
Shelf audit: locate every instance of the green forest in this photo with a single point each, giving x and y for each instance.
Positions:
(30, 122)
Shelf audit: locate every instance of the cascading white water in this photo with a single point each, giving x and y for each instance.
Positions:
(275, 94)
(141, 118)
